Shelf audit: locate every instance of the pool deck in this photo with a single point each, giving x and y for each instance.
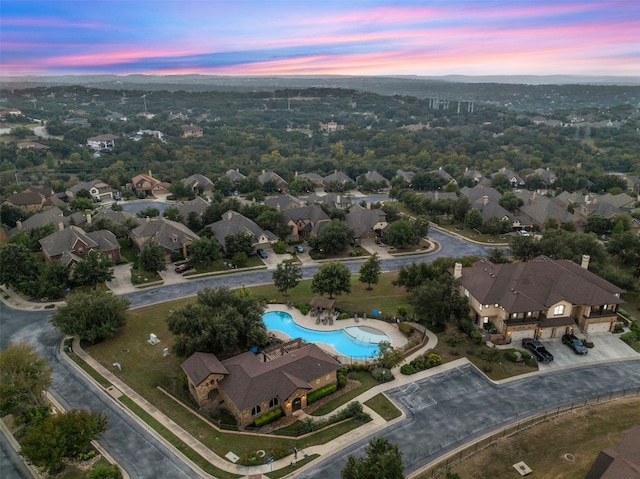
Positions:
(397, 338)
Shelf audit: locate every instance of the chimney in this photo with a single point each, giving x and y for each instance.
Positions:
(19, 225)
(457, 270)
(60, 226)
(585, 261)
(150, 173)
(147, 219)
(88, 216)
(485, 200)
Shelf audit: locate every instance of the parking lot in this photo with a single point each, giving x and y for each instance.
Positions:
(606, 346)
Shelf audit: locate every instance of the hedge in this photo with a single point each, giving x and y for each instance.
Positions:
(268, 417)
(320, 393)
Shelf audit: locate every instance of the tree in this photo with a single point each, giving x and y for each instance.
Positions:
(81, 204)
(473, 219)
(93, 269)
(332, 278)
(181, 191)
(24, 376)
(334, 238)
(149, 212)
(152, 258)
(401, 234)
(17, 265)
(501, 182)
(238, 243)
(370, 271)
(286, 276)
(524, 248)
(173, 213)
(510, 202)
(382, 460)
(205, 250)
(388, 356)
(497, 256)
(92, 316)
(437, 300)
(62, 436)
(221, 321)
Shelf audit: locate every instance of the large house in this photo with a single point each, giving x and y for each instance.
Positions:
(250, 385)
(541, 298)
(199, 184)
(172, 236)
(233, 222)
(71, 245)
(305, 222)
(191, 131)
(102, 142)
(149, 186)
(621, 461)
(98, 189)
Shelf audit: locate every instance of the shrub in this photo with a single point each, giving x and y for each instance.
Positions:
(466, 327)
(104, 471)
(489, 354)
(476, 337)
(452, 339)
(303, 308)
(280, 247)
(268, 417)
(344, 316)
(382, 375)
(408, 369)
(618, 328)
(320, 393)
(280, 452)
(342, 380)
(629, 337)
(434, 359)
(406, 329)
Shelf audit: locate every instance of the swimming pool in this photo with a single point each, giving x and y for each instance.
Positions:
(359, 342)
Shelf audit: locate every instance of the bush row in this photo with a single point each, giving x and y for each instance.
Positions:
(353, 410)
(466, 327)
(422, 362)
(268, 417)
(320, 393)
(633, 335)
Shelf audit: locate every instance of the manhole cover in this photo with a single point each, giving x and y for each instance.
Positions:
(569, 457)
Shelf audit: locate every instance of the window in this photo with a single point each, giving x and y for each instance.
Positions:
(558, 310)
(529, 314)
(317, 381)
(273, 402)
(256, 410)
(514, 315)
(328, 377)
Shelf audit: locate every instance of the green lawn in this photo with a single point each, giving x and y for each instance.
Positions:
(219, 266)
(366, 382)
(475, 236)
(383, 296)
(384, 407)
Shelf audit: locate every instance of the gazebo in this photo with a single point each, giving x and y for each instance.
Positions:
(322, 308)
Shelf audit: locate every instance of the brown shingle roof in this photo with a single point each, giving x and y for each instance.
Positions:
(251, 381)
(199, 366)
(537, 285)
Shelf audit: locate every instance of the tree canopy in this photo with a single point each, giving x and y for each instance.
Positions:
(370, 270)
(66, 435)
(94, 268)
(332, 278)
(92, 316)
(334, 238)
(286, 276)
(221, 321)
(381, 460)
(24, 376)
(152, 257)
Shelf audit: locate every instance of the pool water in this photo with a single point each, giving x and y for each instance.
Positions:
(360, 342)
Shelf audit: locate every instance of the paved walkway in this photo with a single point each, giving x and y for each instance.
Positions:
(378, 423)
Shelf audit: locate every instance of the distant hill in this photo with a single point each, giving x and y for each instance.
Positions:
(531, 93)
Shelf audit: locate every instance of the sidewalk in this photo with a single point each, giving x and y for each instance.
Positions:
(119, 388)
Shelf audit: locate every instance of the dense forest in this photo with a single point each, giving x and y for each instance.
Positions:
(280, 130)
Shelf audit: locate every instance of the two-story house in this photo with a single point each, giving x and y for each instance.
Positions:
(541, 298)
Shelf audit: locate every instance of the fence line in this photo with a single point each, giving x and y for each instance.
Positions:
(439, 467)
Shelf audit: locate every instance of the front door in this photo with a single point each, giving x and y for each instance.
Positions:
(297, 404)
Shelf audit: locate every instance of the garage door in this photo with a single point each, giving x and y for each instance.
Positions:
(598, 328)
(518, 336)
(546, 333)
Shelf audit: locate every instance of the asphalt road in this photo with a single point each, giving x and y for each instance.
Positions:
(448, 410)
(132, 446)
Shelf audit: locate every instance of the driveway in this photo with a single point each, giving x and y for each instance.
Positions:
(606, 347)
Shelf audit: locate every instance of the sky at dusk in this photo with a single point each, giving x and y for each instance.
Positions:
(302, 37)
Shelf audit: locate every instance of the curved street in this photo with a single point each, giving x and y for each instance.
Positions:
(442, 411)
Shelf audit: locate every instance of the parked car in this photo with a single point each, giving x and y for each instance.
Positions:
(538, 350)
(181, 268)
(575, 344)
(262, 253)
(524, 233)
(299, 249)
